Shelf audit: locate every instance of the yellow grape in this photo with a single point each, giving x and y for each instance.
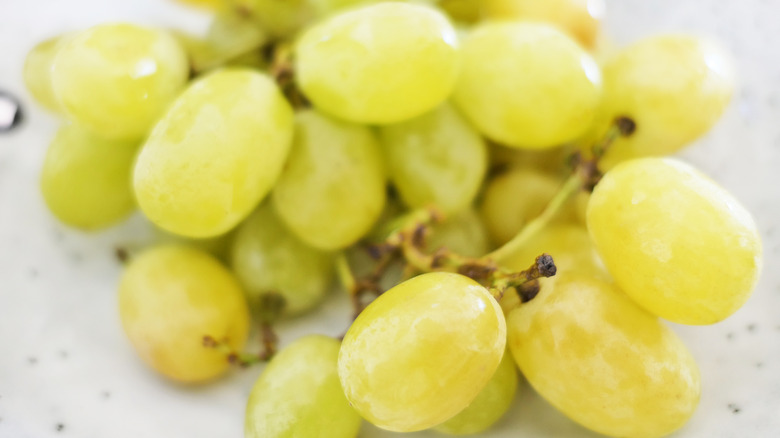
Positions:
(280, 18)
(118, 79)
(490, 405)
(527, 85)
(215, 154)
(299, 395)
(85, 179)
(464, 11)
(569, 245)
(603, 361)
(379, 64)
(675, 241)
(514, 198)
(267, 257)
(436, 159)
(332, 189)
(463, 233)
(37, 72)
(170, 297)
(553, 161)
(579, 18)
(213, 5)
(422, 351)
(675, 87)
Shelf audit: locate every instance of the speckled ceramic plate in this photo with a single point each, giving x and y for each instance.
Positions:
(66, 369)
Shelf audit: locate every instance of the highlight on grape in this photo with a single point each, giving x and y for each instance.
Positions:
(484, 181)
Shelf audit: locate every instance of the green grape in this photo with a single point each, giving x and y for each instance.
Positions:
(118, 79)
(527, 85)
(603, 361)
(463, 233)
(332, 189)
(464, 11)
(280, 18)
(380, 64)
(299, 395)
(85, 179)
(435, 159)
(675, 87)
(422, 351)
(579, 18)
(490, 405)
(170, 297)
(213, 5)
(676, 242)
(37, 72)
(568, 244)
(553, 161)
(514, 198)
(267, 257)
(215, 154)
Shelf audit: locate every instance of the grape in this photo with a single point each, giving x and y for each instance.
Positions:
(422, 351)
(380, 64)
(579, 18)
(117, 79)
(675, 87)
(463, 233)
(299, 395)
(603, 361)
(435, 159)
(552, 161)
(514, 198)
(465, 11)
(333, 186)
(266, 257)
(213, 5)
(568, 244)
(527, 85)
(85, 179)
(215, 154)
(489, 406)
(37, 72)
(280, 18)
(677, 243)
(170, 297)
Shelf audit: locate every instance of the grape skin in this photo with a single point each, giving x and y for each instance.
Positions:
(85, 179)
(436, 159)
(267, 257)
(464, 234)
(422, 351)
(170, 297)
(379, 64)
(37, 72)
(527, 85)
(299, 395)
(676, 242)
(333, 187)
(117, 79)
(602, 360)
(215, 154)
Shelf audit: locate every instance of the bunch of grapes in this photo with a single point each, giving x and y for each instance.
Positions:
(485, 179)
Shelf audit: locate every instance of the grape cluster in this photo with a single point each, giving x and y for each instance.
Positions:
(485, 178)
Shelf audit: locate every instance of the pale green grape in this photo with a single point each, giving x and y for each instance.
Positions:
(332, 189)
(170, 297)
(527, 85)
(464, 11)
(215, 154)
(118, 79)
(490, 405)
(464, 234)
(603, 361)
(422, 351)
(37, 72)
(213, 5)
(553, 161)
(675, 87)
(85, 179)
(579, 18)
(380, 64)
(676, 242)
(280, 18)
(568, 244)
(267, 257)
(436, 159)
(514, 198)
(299, 395)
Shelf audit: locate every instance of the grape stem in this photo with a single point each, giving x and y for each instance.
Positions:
(358, 289)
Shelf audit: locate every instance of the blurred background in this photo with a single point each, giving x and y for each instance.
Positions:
(66, 369)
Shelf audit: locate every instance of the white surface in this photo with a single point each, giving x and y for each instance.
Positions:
(64, 360)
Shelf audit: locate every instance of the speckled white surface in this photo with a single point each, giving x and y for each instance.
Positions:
(67, 371)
